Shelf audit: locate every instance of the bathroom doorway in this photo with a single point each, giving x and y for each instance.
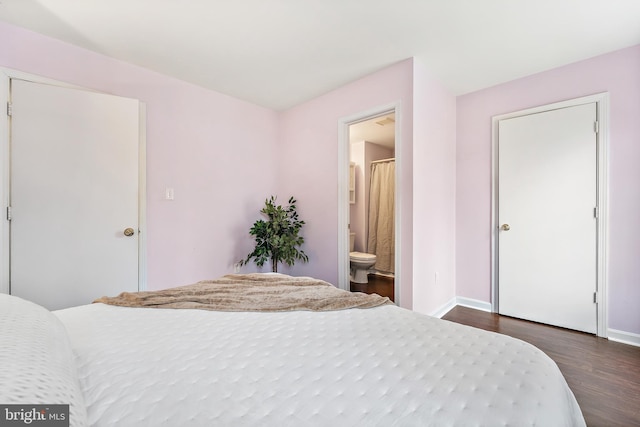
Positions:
(368, 218)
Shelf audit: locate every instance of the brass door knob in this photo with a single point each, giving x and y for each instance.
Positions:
(505, 227)
(128, 232)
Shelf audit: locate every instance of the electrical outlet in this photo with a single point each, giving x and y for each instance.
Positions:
(168, 193)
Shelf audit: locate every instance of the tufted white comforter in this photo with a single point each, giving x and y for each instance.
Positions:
(383, 366)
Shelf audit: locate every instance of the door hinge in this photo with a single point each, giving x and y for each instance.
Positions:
(8, 213)
(596, 126)
(595, 298)
(596, 212)
(9, 109)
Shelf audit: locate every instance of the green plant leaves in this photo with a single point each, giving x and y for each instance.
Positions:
(277, 238)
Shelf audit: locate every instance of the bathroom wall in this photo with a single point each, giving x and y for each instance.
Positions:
(358, 210)
(362, 154)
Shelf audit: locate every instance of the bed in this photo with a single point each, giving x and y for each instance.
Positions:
(377, 366)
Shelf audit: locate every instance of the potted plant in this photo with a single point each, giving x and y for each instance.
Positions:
(277, 238)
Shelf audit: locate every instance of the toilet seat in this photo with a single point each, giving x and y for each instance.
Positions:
(360, 264)
(361, 256)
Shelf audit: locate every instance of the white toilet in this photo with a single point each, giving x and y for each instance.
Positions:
(360, 262)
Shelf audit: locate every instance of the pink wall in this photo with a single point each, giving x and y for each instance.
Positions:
(427, 176)
(223, 157)
(308, 157)
(217, 152)
(434, 203)
(619, 74)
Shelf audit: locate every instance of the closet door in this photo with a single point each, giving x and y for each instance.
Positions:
(548, 230)
(74, 194)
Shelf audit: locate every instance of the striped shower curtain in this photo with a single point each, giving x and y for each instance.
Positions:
(382, 234)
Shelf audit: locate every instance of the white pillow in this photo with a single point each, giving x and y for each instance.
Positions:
(36, 361)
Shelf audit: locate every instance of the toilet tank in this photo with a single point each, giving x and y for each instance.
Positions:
(352, 241)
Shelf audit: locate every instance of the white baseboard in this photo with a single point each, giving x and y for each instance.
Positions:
(474, 303)
(624, 337)
(444, 309)
(461, 301)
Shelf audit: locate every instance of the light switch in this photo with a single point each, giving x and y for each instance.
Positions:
(168, 193)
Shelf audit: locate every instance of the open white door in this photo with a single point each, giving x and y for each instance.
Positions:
(547, 244)
(74, 192)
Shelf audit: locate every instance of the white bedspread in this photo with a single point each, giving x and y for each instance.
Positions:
(384, 366)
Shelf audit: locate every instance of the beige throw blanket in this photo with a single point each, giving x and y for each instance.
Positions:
(251, 292)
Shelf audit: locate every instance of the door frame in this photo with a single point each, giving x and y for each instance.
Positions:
(6, 74)
(602, 189)
(343, 192)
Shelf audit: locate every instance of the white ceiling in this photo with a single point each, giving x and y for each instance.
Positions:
(278, 53)
(379, 130)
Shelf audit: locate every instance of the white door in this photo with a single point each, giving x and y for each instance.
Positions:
(547, 237)
(74, 191)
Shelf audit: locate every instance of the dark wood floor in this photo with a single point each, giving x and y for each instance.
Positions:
(381, 285)
(603, 375)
